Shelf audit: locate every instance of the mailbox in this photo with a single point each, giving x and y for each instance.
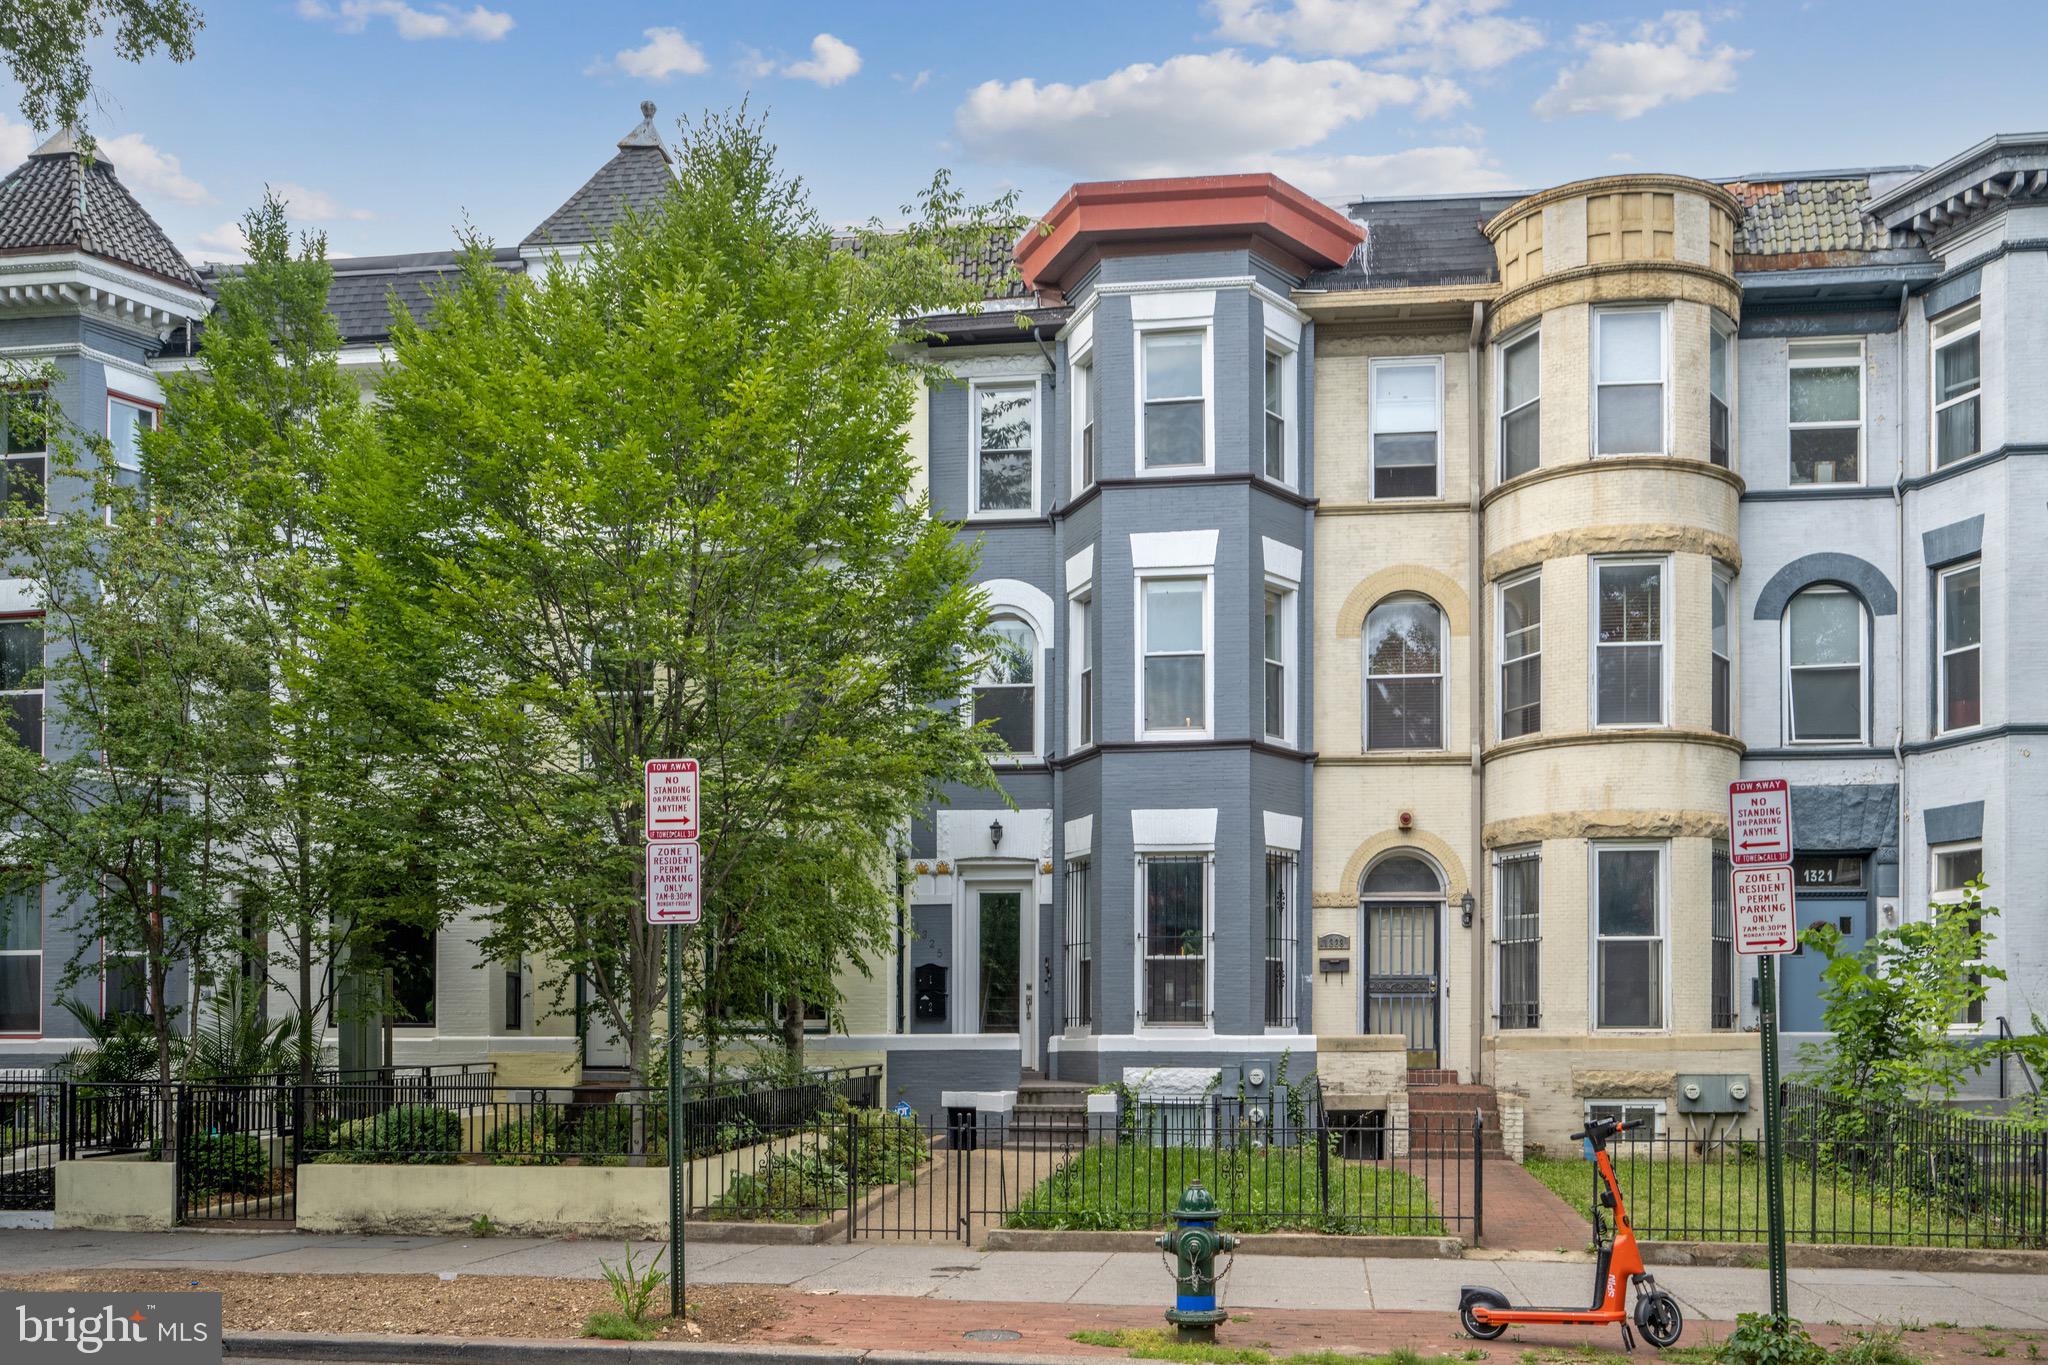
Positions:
(928, 991)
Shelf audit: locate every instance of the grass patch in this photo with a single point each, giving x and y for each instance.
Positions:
(1156, 1343)
(1721, 1199)
(1112, 1186)
(611, 1325)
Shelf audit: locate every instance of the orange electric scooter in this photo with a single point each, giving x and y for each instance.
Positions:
(1487, 1313)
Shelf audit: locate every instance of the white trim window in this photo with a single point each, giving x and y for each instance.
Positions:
(124, 983)
(1959, 629)
(1407, 427)
(1825, 645)
(1005, 449)
(1518, 937)
(1958, 385)
(1629, 978)
(1721, 645)
(1404, 666)
(24, 454)
(1277, 667)
(1521, 655)
(1006, 690)
(21, 962)
(21, 682)
(1629, 658)
(1720, 395)
(1086, 421)
(1645, 1118)
(1175, 934)
(1951, 869)
(1081, 663)
(1629, 381)
(1175, 635)
(1173, 409)
(1825, 411)
(1521, 404)
(1279, 415)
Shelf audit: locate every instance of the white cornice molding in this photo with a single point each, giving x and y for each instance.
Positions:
(98, 288)
(1123, 288)
(51, 349)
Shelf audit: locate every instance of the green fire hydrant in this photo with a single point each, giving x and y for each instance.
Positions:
(1195, 1240)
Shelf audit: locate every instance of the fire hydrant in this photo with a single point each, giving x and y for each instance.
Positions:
(1195, 1240)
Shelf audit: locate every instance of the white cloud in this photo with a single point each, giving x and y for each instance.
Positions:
(151, 172)
(413, 25)
(666, 53)
(316, 206)
(223, 243)
(832, 62)
(1465, 34)
(1418, 170)
(1667, 61)
(754, 63)
(917, 82)
(1188, 114)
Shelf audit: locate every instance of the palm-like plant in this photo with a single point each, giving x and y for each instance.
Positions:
(234, 1041)
(119, 1047)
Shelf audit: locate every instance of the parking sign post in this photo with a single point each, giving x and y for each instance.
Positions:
(674, 887)
(1760, 895)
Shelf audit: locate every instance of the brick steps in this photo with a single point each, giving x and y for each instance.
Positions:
(1049, 1114)
(1440, 1119)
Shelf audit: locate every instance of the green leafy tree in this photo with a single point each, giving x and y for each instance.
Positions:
(45, 45)
(334, 812)
(660, 504)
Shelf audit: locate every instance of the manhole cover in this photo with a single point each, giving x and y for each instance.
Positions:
(992, 1334)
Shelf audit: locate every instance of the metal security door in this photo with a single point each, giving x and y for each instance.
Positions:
(1402, 984)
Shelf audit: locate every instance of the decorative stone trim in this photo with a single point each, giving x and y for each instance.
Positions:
(1616, 282)
(1606, 463)
(1612, 184)
(1661, 735)
(1606, 824)
(1608, 540)
(1421, 841)
(1400, 758)
(1382, 509)
(1440, 588)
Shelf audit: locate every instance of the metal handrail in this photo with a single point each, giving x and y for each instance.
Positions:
(2005, 1034)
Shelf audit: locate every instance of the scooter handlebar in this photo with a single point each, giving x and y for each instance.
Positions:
(1606, 1129)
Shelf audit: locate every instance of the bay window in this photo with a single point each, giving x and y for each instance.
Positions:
(1521, 655)
(1720, 390)
(1958, 386)
(1518, 939)
(1174, 937)
(1628, 642)
(1279, 406)
(1521, 406)
(1175, 407)
(1081, 650)
(1174, 630)
(25, 464)
(1281, 940)
(1722, 648)
(1628, 928)
(1087, 408)
(1628, 401)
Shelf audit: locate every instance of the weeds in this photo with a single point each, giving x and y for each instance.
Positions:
(610, 1326)
(482, 1226)
(1152, 1343)
(633, 1286)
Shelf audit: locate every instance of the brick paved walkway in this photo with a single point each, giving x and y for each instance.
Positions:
(1522, 1214)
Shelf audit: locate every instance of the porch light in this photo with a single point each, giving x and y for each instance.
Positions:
(1465, 910)
(995, 834)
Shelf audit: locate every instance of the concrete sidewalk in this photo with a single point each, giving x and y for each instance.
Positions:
(947, 1270)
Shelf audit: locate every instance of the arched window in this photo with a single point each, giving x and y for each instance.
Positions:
(1402, 874)
(1404, 665)
(1824, 652)
(1006, 693)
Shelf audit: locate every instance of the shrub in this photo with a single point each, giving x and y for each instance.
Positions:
(236, 1162)
(1760, 1339)
(785, 1186)
(528, 1141)
(406, 1134)
(888, 1147)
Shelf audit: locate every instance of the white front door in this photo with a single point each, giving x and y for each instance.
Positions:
(998, 952)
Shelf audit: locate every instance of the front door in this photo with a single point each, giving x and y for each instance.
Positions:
(1402, 981)
(1005, 997)
(1801, 1009)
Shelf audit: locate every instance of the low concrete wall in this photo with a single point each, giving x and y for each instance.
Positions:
(117, 1194)
(1830, 1256)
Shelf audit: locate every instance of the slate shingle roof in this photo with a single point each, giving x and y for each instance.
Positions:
(55, 201)
(1798, 217)
(636, 178)
(1412, 243)
(364, 287)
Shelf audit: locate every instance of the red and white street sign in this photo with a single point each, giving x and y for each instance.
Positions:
(674, 883)
(1763, 911)
(671, 798)
(1760, 823)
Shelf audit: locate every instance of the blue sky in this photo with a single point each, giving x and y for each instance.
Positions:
(388, 122)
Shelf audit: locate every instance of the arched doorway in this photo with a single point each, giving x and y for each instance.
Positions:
(1401, 903)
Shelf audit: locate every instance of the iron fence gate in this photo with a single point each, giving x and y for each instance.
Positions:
(237, 1153)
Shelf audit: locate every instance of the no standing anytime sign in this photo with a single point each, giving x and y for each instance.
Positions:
(1760, 850)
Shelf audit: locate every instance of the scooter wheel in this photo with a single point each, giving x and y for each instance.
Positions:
(1484, 1331)
(1662, 1321)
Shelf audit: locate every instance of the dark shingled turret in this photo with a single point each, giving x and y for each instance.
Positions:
(636, 178)
(58, 200)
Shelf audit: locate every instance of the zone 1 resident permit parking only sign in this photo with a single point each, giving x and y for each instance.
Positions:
(671, 802)
(1760, 823)
(1762, 905)
(674, 883)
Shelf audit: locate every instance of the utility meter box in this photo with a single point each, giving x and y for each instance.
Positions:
(1701, 1093)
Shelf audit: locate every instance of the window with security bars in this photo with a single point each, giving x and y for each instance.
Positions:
(1521, 656)
(1281, 943)
(1519, 940)
(1174, 937)
(1080, 949)
(1721, 1002)
(1628, 643)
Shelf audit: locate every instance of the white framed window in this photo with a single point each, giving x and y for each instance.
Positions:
(21, 962)
(1826, 411)
(1629, 977)
(1722, 647)
(124, 983)
(1952, 868)
(1277, 668)
(1404, 666)
(1629, 381)
(21, 683)
(1826, 640)
(1175, 934)
(1081, 665)
(1521, 655)
(1407, 427)
(1958, 385)
(1518, 937)
(1006, 691)
(1960, 629)
(1720, 395)
(1521, 404)
(1005, 449)
(1648, 1113)
(24, 454)
(1086, 415)
(1176, 635)
(1279, 415)
(1173, 422)
(1629, 659)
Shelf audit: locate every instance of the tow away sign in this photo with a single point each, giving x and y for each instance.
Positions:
(1760, 823)
(1763, 911)
(671, 798)
(674, 883)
